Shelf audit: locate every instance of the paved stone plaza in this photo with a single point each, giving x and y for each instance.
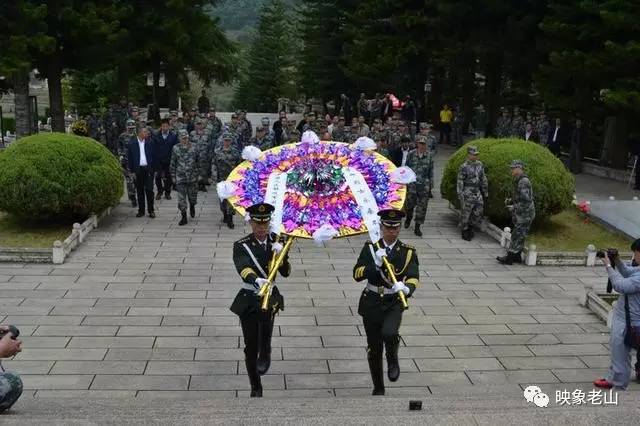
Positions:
(141, 310)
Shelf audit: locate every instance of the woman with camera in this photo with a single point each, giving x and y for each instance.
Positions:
(625, 325)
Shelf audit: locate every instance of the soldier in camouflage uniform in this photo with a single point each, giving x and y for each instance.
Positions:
(339, 132)
(261, 140)
(244, 128)
(227, 158)
(233, 129)
(426, 132)
(123, 140)
(354, 134)
(270, 134)
(214, 125)
(503, 127)
(472, 189)
(292, 133)
(381, 145)
(542, 126)
(184, 168)
(200, 139)
(396, 136)
(523, 211)
(517, 124)
(420, 161)
(378, 132)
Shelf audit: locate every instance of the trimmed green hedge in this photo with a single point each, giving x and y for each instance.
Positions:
(57, 176)
(553, 185)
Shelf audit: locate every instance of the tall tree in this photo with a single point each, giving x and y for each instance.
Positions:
(270, 67)
(23, 35)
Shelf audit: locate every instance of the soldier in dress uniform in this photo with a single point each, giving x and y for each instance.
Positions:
(523, 211)
(472, 188)
(252, 256)
(380, 306)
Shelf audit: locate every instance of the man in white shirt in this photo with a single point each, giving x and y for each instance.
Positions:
(142, 165)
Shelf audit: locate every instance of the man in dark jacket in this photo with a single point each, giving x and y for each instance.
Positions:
(578, 139)
(556, 138)
(141, 158)
(278, 128)
(164, 142)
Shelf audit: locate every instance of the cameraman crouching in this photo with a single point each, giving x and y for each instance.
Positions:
(10, 383)
(626, 281)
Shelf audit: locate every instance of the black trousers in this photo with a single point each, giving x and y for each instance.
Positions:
(163, 179)
(257, 328)
(382, 328)
(445, 132)
(144, 187)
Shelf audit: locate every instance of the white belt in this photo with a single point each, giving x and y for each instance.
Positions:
(375, 289)
(252, 288)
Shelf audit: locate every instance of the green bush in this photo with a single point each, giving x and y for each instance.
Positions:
(553, 185)
(56, 176)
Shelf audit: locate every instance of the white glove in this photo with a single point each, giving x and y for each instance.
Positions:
(400, 287)
(380, 253)
(261, 282)
(277, 247)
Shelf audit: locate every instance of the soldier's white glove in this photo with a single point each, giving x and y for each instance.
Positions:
(400, 287)
(260, 282)
(380, 253)
(277, 247)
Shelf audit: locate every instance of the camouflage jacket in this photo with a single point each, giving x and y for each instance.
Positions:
(523, 206)
(264, 143)
(422, 166)
(503, 127)
(472, 179)
(292, 135)
(123, 152)
(184, 165)
(226, 161)
(338, 134)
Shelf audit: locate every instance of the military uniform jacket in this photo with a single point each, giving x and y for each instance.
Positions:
(226, 160)
(524, 209)
(422, 166)
(472, 180)
(251, 262)
(404, 260)
(184, 166)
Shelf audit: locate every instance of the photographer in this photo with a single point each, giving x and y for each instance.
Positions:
(625, 279)
(10, 383)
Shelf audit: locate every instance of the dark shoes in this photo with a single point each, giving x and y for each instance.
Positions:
(264, 362)
(167, 196)
(468, 234)
(510, 258)
(256, 392)
(140, 214)
(183, 220)
(393, 366)
(158, 195)
(417, 230)
(378, 392)
(152, 215)
(192, 211)
(228, 219)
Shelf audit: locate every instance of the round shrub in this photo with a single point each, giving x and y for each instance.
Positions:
(553, 185)
(57, 176)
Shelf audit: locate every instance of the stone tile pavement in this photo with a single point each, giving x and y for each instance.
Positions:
(141, 309)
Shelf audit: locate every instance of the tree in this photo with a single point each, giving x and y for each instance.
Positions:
(23, 34)
(270, 68)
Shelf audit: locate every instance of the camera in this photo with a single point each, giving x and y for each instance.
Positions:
(13, 330)
(611, 253)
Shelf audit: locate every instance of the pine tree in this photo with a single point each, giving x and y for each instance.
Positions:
(269, 66)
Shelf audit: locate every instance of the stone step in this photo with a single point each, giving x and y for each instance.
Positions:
(449, 410)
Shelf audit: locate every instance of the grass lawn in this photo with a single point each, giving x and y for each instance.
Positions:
(16, 234)
(567, 232)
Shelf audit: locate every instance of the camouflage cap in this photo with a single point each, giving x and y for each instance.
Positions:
(198, 121)
(234, 115)
(473, 150)
(182, 133)
(515, 164)
(227, 135)
(131, 123)
(421, 139)
(424, 125)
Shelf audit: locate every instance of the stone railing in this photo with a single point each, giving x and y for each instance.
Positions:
(79, 232)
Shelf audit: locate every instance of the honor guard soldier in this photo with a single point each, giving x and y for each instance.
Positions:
(252, 256)
(380, 305)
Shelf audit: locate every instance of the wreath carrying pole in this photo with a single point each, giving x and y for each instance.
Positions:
(265, 291)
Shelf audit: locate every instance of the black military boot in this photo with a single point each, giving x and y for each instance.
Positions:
(466, 234)
(183, 221)
(393, 367)
(167, 195)
(507, 259)
(192, 211)
(375, 367)
(254, 379)
(264, 358)
(407, 220)
(516, 257)
(417, 230)
(471, 234)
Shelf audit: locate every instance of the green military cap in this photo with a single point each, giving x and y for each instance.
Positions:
(182, 133)
(198, 121)
(234, 115)
(473, 150)
(425, 125)
(131, 123)
(260, 212)
(227, 135)
(517, 164)
(421, 139)
(391, 218)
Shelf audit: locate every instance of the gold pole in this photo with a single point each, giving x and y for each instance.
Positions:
(392, 275)
(265, 291)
